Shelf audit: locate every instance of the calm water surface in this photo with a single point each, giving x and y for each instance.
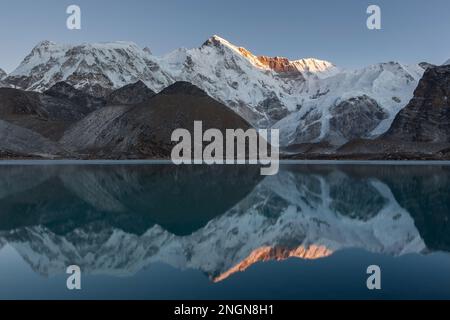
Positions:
(157, 231)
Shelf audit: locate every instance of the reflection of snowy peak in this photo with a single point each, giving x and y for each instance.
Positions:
(310, 100)
(287, 215)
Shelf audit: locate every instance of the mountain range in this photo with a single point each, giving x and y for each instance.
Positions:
(318, 107)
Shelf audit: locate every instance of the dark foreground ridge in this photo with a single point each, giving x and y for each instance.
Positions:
(131, 123)
(134, 122)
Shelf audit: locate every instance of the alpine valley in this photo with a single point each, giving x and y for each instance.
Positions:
(118, 101)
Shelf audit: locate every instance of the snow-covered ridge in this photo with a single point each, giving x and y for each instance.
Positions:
(93, 67)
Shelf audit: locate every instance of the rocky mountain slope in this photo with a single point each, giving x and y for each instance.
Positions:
(3, 75)
(21, 142)
(423, 126)
(302, 98)
(48, 113)
(144, 130)
(95, 68)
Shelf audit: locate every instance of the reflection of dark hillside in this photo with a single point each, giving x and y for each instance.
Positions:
(132, 198)
(424, 191)
(350, 195)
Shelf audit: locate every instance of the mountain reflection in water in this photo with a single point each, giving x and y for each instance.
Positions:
(120, 219)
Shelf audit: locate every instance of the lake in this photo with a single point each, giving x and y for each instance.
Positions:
(152, 230)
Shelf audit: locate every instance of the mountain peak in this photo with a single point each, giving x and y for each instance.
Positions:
(183, 87)
(45, 43)
(446, 62)
(425, 111)
(147, 49)
(217, 38)
(140, 84)
(425, 65)
(61, 86)
(42, 48)
(217, 41)
(278, 63)
(2, 74)
(133, 93)
(107, 65)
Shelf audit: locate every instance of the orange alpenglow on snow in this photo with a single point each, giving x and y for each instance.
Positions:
(276, 253)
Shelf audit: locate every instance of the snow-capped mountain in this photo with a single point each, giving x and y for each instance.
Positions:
(351, 104)
(289, 215)
(446, 62)
(309, 100)
(262, 89)
(97, 68)
(304, 95)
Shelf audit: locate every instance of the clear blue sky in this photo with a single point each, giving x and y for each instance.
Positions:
(334, 30)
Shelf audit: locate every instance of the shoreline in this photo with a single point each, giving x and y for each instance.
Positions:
(64, 161)
(284, 158)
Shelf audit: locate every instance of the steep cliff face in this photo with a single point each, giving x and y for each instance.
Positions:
(427, 116)
(421, 129)
(21, 142)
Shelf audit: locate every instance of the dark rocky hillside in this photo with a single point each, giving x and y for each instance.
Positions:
(144, 130)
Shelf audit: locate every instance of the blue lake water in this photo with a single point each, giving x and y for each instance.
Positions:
(151, 230)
